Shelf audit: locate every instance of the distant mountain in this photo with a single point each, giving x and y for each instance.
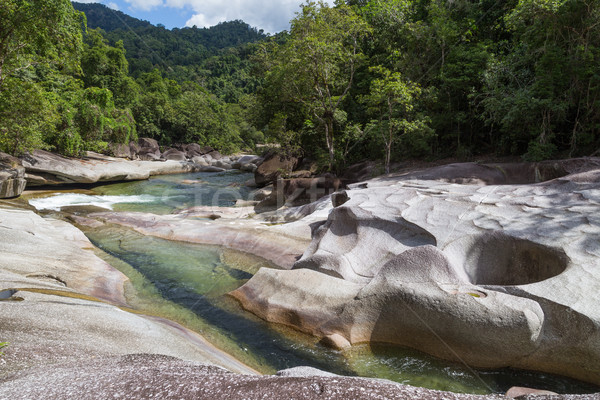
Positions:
(216, 57)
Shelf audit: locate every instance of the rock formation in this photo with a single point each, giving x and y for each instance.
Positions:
(12, 177)
(483, 264)
(60, 303)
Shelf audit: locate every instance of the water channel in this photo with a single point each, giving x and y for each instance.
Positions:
(188, 283)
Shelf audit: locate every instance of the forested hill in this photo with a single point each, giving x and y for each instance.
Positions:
(214, 57)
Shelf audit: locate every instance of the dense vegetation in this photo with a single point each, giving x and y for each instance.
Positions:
(402, 78)
(382, 79)
(70, 89)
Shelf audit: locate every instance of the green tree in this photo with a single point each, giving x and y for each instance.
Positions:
(38, 32)
(26, 116)
(316, 66)
(392, 99)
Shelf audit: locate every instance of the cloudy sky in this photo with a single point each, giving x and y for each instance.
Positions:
(271, 15)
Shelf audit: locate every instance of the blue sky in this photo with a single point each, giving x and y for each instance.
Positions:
(271, 15)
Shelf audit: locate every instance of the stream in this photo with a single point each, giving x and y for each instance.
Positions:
(188, 283)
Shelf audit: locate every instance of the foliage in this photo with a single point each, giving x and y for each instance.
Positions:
(26, 116)
(3, 345)
(38, 31)
(356, 79)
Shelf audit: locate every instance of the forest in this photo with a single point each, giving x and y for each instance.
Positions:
(359, 79)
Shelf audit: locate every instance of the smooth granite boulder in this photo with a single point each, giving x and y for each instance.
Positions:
(458, 261)
(44, 168)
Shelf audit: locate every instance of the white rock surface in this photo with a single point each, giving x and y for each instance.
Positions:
(493, 275)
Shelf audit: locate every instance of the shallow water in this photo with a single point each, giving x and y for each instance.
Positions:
(188, 283)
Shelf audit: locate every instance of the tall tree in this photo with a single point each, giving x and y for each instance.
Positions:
(392, 100)
(317, 65)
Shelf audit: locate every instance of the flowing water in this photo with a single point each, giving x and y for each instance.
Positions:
(188, 283)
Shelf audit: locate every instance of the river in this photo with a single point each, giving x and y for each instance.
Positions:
(188, 283)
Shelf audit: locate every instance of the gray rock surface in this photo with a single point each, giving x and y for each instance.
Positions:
(12, 177)
(44, 168)
(452, 263)
(59, 303)
(139, 377)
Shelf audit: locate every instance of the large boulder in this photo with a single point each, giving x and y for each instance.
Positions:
(298, 191)
(174, 154)
(273, 166)
(44, 168)
(12, 176)
(192, 150)
(148, 149)
(456, 261)
(120, 150)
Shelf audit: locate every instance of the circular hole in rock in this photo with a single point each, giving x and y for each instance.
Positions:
(503, 260)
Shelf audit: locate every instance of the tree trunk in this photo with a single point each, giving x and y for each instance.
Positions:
(329, 138)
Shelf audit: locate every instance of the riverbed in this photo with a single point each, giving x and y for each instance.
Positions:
(189, 283)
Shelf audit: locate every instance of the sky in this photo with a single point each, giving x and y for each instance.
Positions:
(271, 15)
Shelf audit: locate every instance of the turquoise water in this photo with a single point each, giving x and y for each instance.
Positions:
(189, 284)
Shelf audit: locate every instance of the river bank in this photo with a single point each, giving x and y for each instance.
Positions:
(283, 236)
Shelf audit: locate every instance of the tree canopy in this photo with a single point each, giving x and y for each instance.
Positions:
(378, 79)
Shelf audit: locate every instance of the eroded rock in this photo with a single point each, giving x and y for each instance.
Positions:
(458, 261)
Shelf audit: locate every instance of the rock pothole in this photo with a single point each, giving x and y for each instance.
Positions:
(498, 259)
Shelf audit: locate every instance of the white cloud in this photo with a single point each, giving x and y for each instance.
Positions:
(272, 16)
(145, 5)
(112, 5)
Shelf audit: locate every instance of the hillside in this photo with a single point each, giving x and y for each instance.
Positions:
(215, 57)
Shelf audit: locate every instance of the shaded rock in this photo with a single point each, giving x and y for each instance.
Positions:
(272, 167)
(148, 149)
(134, 149)
(215, 155)
(249, 159)
(359, 172)
(222, 164)
(192, 150)
(299, 191)
(148, 144)
(174, 154)
(200, 160)
(120, 150)
(149, 155)
(262, 193)
(339, 198)
(248, 167)
(12, 177)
